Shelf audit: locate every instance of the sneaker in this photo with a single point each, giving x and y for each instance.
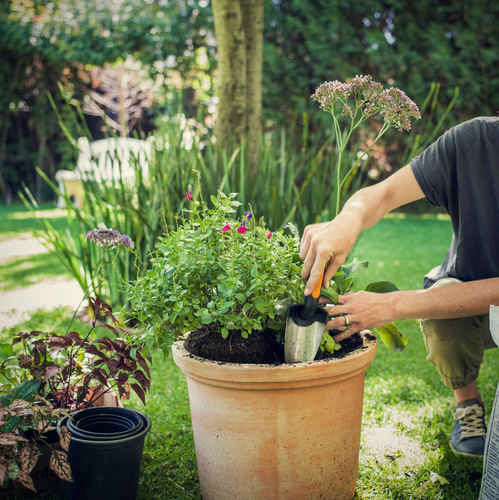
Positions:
(469, 430)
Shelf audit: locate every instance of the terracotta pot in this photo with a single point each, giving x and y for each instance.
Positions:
(289, 431)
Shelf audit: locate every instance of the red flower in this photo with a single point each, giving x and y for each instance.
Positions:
(226, 227)
(241, 229)
(188, 195)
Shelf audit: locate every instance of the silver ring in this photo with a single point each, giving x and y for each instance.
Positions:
(347, 321)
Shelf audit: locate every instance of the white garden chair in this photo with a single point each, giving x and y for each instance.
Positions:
(106, 160)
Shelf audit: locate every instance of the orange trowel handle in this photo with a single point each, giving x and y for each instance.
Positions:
(311, 302)
(317, 290)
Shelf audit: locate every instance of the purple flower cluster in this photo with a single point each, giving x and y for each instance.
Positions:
(392, 104)
(109, 238)
(396, 107)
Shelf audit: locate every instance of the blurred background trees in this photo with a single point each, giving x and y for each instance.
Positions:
(132, 64)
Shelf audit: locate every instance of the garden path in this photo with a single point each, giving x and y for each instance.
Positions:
(17, 305)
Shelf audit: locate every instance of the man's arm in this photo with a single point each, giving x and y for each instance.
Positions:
(371, 310)
(330, 242)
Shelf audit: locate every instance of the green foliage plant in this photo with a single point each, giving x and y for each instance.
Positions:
(216, 269)
(342, 283)
(73, 371)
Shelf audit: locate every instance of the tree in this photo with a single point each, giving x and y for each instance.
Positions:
(239, 33)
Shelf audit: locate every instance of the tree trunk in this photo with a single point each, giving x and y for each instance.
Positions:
(239, 32)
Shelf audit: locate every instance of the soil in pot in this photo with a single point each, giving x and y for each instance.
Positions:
(259, 347)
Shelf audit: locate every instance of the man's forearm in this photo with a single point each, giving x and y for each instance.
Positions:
(453, 301)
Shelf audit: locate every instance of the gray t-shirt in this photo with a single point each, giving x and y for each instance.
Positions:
(460, 172)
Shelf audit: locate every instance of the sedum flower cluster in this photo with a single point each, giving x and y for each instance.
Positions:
(109, 238)
(362, 98)
(351, 104)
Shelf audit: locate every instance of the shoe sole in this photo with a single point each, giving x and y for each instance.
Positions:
(456, 452)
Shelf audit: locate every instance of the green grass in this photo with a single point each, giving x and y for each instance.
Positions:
(25, 271)
(407, 419)
(18, 219)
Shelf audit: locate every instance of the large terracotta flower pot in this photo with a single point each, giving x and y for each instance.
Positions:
(289, 431)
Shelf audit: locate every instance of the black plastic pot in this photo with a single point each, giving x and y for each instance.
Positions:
(105, 468)
(105, 425)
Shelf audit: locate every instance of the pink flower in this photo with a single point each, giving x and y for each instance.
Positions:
(188, 195)
(226, 227)
(241, 229)
(269, 234)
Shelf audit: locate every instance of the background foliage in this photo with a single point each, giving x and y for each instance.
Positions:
(404, 44)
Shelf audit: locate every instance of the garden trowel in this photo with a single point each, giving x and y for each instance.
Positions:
(305, 325)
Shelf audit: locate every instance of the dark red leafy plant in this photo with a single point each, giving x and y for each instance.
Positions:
(75, 371)
(63, 373)
(23, 431)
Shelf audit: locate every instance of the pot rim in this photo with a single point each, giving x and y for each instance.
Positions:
(269, 376)
(110, 442)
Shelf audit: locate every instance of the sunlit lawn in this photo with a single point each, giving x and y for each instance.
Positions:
(407, 420)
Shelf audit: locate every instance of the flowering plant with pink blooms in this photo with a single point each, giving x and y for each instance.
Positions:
(351, 104)
(231, 273)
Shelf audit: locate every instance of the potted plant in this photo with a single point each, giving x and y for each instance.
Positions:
(262, 428)
(29, 452)
(68, 375)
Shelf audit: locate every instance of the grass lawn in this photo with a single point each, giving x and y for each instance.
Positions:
(18, 219)
(404, 447)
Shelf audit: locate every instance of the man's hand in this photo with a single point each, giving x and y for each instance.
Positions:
(364, 310)
(326, 244)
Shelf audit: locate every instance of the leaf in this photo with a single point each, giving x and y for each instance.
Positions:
(138, 390)
(434, 477)
(26, 390)
(331, 294)
(3, 470)
(143, 363)
(346, 284)
(52, 371)
(381, 287)
(391, 337)
(24, 361)
(28, 458)
(10, 439)
(64, 438)
(25, 479)
(60, 465)
(354, 266)
(327, 342)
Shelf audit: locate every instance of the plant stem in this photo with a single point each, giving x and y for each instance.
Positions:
(384, 128)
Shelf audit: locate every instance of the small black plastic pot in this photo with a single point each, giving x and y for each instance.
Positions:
(104, 424)
(105, 452)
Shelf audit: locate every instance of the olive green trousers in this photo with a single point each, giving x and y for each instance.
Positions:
(456, 346)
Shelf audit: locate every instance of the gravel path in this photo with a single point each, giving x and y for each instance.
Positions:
(17, 305)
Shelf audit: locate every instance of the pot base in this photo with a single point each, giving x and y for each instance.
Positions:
(284, 432)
